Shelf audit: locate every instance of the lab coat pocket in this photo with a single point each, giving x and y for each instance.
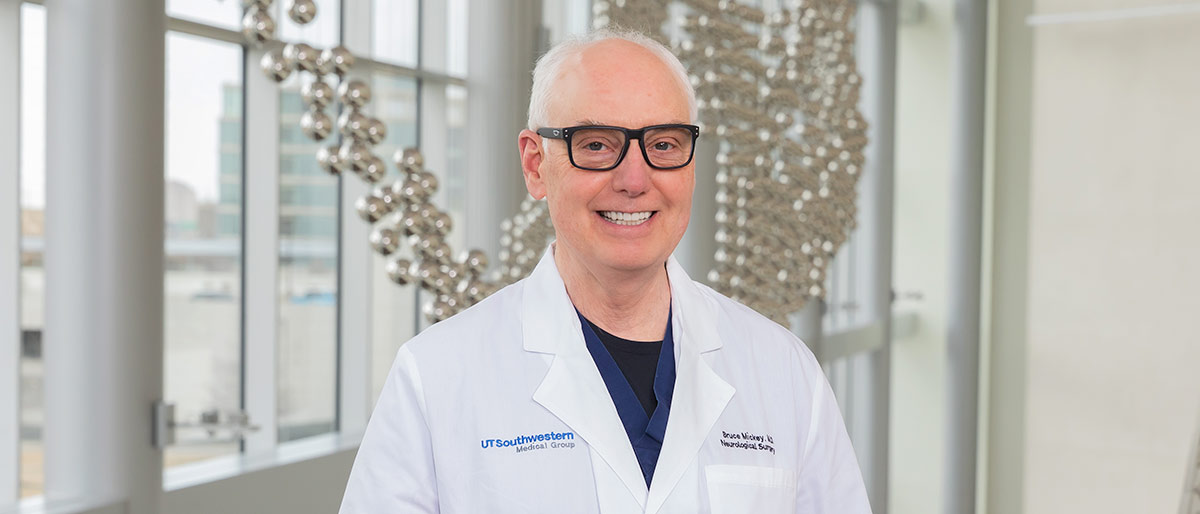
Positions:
(734, 489)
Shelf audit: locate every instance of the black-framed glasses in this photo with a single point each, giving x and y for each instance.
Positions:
(602, 148)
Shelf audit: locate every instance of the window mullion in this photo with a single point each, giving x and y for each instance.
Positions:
(10, 250)
(355, 264)
(260, 279)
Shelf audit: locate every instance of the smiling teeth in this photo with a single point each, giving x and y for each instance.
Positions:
(626, 218)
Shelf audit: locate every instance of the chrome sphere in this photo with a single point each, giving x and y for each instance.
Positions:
(371, 208)
(257, 25)
(429, 182)
(354, 93)
(338, 59)
(475, 261)
(408, 224)
(327, 158)
(353, 125)
(376, 131)
(302, 56)
(412, 191)
(354, 156)
(385, 240)
(410, 160)
(316, 124)
(302, 11)
(275, 65)
(317, 94)
(372, 170)
(441, 223)
(398, 271)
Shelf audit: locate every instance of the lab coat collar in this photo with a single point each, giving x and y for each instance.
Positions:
(546, 302)
(574, 391)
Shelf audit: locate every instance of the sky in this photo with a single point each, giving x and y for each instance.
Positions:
(33, 105)
(198, 68)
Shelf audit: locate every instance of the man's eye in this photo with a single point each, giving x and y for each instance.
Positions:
(663, 146)
(595, 146)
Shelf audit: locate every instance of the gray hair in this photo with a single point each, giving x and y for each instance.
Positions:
(549, 65)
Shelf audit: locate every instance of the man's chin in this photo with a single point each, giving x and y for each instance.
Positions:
(632, 263)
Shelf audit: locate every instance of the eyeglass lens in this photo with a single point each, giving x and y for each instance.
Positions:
(667, 147)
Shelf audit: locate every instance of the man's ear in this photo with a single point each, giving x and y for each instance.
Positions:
(532, 155)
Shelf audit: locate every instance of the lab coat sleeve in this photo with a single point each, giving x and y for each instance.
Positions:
(830, 480)
(393, 471)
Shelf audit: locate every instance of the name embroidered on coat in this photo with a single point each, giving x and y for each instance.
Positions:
(748, 441)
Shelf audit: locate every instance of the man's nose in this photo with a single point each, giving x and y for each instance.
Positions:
(632, 176)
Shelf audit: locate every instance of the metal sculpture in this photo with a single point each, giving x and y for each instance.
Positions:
(778, 90)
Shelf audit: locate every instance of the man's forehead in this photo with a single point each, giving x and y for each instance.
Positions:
(618, 83)
(612, 122)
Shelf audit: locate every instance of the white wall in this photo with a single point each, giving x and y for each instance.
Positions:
(920, 252)
(1113, 353)
(1095, 382)
(1006, 256)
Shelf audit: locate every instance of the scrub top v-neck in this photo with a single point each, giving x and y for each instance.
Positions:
(645, 432)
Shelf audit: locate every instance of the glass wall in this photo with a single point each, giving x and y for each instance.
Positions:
(416, 61)
(394, 33)
(227, 14)
(33, 278)
(394, 307)
(203, 282)
(308, 282)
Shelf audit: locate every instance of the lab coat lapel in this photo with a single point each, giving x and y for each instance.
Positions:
(573, 389)
(700, 394)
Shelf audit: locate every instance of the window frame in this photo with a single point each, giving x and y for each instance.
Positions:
(260, 451)
(355, 275)
(10, 261)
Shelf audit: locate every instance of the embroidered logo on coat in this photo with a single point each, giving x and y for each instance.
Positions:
(748, 441)
(530, 442)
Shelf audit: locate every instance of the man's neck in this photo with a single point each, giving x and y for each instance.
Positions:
(629, 305)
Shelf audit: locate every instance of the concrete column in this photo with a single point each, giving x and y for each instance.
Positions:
(502, 45)
(966, 255)
(808, 325)
(104, 250)
(356, 267)
(1009, 320)
(260, 259)
(877, 37)
(10, 250)
(698, 247)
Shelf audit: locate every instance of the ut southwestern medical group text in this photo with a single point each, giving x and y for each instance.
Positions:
(532, 442)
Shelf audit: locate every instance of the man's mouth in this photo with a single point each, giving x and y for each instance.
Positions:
(627, 218)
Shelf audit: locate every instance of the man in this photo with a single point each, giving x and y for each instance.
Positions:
(607, 381)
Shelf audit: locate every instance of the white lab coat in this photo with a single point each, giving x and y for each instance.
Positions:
(753, 424)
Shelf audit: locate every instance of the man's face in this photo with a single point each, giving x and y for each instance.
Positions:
(620, 84)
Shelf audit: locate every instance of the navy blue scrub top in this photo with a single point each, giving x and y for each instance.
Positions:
(645, 432)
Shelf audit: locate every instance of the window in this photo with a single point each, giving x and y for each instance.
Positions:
(308, 279)
(445, 46)
(394, 31)
(394, 307)
(216, 157)
(33, 279)
(226, 14)
(456, 154)
(323, 31)
(202, 287)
